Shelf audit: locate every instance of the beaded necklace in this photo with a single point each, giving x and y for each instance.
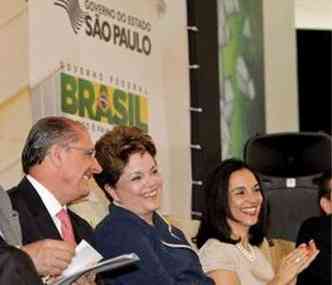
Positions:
(249, 254)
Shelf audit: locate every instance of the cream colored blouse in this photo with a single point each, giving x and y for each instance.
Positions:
(216, 255)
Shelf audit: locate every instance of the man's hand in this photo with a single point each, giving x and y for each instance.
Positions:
(86, 279)
(50, 257)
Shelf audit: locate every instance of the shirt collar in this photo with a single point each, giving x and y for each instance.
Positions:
(52, 205)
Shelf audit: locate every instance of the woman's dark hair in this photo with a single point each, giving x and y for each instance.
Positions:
(114, 149)
(324, 189)
(323, 184)
(214, 220)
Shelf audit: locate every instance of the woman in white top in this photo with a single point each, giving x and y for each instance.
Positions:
(233, 228)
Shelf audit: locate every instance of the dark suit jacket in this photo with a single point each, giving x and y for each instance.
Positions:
(319, 271)
(16, 267)
(36, 222)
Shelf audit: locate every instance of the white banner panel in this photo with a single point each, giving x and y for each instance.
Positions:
(108, 54)
(13, 48)
(143, 87)
(100, 62)
(103, 36)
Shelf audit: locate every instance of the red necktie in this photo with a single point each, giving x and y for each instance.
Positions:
(66, 227)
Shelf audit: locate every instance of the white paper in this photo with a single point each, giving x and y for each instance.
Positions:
(85, 255)
(106, 265)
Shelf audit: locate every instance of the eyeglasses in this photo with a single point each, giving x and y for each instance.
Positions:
(91, 152)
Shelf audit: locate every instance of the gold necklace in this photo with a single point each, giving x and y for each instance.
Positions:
(249, 254)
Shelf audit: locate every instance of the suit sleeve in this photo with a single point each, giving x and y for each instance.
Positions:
(320, 268)
(149, 270)
(16, 267)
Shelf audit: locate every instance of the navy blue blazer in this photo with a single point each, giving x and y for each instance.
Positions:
(166, 258)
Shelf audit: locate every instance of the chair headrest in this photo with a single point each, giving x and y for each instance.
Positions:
(289, 154)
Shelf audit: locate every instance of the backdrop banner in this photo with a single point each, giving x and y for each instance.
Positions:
(98, 61)
(101, 62)
(104, 62)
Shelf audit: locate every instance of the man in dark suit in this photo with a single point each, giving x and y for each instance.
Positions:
(319, 229)
(50, 257)
(58, 160)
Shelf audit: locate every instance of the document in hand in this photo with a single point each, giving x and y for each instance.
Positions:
(86, 260)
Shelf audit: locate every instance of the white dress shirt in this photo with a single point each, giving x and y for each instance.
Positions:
(51, 203)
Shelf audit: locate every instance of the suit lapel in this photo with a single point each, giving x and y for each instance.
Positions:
(45, 227)
(79, 235)
(82, 230)
(37, 223)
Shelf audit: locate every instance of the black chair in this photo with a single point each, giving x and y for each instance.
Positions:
(288, 163)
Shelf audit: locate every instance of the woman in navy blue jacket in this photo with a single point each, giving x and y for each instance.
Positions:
(131, 180)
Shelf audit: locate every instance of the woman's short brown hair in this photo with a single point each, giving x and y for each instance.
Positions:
(114, 149)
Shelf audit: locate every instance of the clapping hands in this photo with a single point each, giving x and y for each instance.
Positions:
(295, 262)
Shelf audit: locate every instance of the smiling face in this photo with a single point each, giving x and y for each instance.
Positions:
(77, 166)
(244, 200)
(139, 186)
